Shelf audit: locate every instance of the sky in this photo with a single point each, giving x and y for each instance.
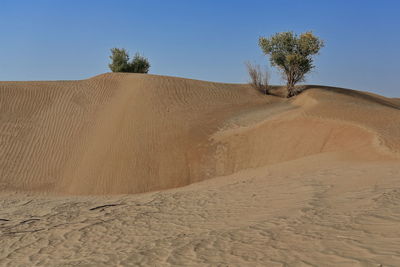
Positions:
(206, 40)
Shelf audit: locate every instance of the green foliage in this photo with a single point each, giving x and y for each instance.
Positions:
(139, 64)
(120, 62)
(292, 54)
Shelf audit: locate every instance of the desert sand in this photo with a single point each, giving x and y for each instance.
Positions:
(147, 170)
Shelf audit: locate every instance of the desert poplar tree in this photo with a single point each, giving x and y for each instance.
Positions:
(139, 64)
(120, 62)
(292, 54)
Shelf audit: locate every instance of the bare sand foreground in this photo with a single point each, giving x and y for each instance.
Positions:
(309, 181)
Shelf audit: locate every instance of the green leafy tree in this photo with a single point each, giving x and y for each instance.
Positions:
(120, 62)
(292, 54)
(139, 64)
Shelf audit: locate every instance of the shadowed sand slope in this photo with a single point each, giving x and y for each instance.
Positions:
(132, 133)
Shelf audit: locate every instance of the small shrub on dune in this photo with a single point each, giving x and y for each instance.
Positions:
(120, 62)
(139, 64)
(259, 78)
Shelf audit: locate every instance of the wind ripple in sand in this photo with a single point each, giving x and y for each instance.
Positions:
(292, 219)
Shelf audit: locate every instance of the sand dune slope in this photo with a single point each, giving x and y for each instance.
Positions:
(112, 133)
(308, 181)
(130, 133)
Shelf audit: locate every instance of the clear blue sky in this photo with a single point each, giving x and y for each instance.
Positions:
(207, 39)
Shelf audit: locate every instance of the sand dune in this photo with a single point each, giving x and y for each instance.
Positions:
(309, 181)
(127, 133)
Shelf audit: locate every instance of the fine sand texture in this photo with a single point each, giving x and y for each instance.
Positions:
(146, 170)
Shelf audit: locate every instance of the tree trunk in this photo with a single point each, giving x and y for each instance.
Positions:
(291, 82)
(290, 86)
